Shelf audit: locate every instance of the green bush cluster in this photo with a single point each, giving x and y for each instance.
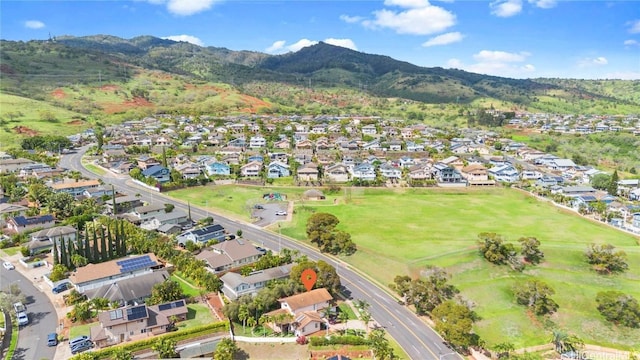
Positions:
(338, 340)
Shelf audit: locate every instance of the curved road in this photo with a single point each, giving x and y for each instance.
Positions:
(417, 339)
(43, 319)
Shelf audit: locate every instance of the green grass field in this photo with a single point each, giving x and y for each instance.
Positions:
(198, 315)
(408, 229)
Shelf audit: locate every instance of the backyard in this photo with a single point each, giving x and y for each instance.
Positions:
(417, 227)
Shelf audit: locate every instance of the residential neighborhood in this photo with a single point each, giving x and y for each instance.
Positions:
(313, 153)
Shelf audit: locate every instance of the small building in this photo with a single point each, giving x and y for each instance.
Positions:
(313, 194)
(202, 235)
(158, 172)
(236, 285)
(93, 276)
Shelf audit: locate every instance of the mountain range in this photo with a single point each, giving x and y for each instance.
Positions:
(68, 60)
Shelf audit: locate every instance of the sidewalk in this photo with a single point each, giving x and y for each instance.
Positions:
(35, 275)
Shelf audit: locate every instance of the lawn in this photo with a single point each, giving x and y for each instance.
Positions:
(12, 250)
(198, 315)
(187, 288)
(230, 200)
(345, 308)
(81, 329)
(408, 229)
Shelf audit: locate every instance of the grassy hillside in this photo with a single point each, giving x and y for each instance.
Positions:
(36, 68)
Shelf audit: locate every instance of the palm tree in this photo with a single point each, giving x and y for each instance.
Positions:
(251, 321)
(243, 314)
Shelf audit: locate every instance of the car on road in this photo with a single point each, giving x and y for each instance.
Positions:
(281, 213)
(23, 319)
(61, 287)
(83, 346)
(52, 339)
(7, 265)
(258, 207)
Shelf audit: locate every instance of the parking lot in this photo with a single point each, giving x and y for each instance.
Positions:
(264, 214)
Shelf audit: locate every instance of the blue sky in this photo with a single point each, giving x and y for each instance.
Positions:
(512, 38)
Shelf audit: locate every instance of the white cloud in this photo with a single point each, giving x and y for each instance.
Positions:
(33, 24)
(416, 21)
(455, 63)
(634, 26)
(588, 62)
(345, 43)
(185, 7)
(351, 19)
(301, 44)
(506, 8)
(444, 39)
(186, 38)
(631, 42)
(498, 63)
(544, 4)
(276, 46)
(407, 3)
(500, 56)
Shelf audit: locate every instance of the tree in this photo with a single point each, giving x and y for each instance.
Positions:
(225, 350)
(166, 291)
(168, 207)
(61, 204)
(78, 260)
(536, 295)
(612, 189)
(531, 250)
(504, 349)
(425, 293)
(494, 250)
(321, 230)
(454, 322)
(619, 308)
(605, 260)
(243, 315)
(380, 346)
(327, 277)
(601, 181)
(565, 342)
(58, 272)
(166, 348)
(80, 312)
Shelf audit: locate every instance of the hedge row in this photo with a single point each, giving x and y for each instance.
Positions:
(221, 326)
(338, 340)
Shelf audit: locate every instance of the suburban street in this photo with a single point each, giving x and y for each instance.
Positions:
(32, 341)
(417, 339)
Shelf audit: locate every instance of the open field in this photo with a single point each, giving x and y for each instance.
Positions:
(415, 228)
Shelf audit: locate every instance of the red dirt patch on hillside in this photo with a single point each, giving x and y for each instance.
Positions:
(58, 94)
(109, 87)
(112, 108)
(23, 130)
(75, 122)
(253, 103)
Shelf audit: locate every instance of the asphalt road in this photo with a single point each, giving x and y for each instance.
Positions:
(417, 339)
(32, 340)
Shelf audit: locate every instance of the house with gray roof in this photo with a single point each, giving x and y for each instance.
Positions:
(230, 254)
(130, 291)
(236, 285)
(202, 235)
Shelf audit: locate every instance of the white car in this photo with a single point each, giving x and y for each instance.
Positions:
(281, 213)
(7, 265)
(23, 318)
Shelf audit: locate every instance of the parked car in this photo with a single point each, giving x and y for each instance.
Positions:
(19, 307)
(7, 265)
(23, 319)
(52, 339)
(258, 207)
(83, 346)
(281, 213)
(61, 287)
(78, 340)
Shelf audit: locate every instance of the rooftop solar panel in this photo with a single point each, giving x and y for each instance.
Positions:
(171, 305)
(137, 312)
(135, 263)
